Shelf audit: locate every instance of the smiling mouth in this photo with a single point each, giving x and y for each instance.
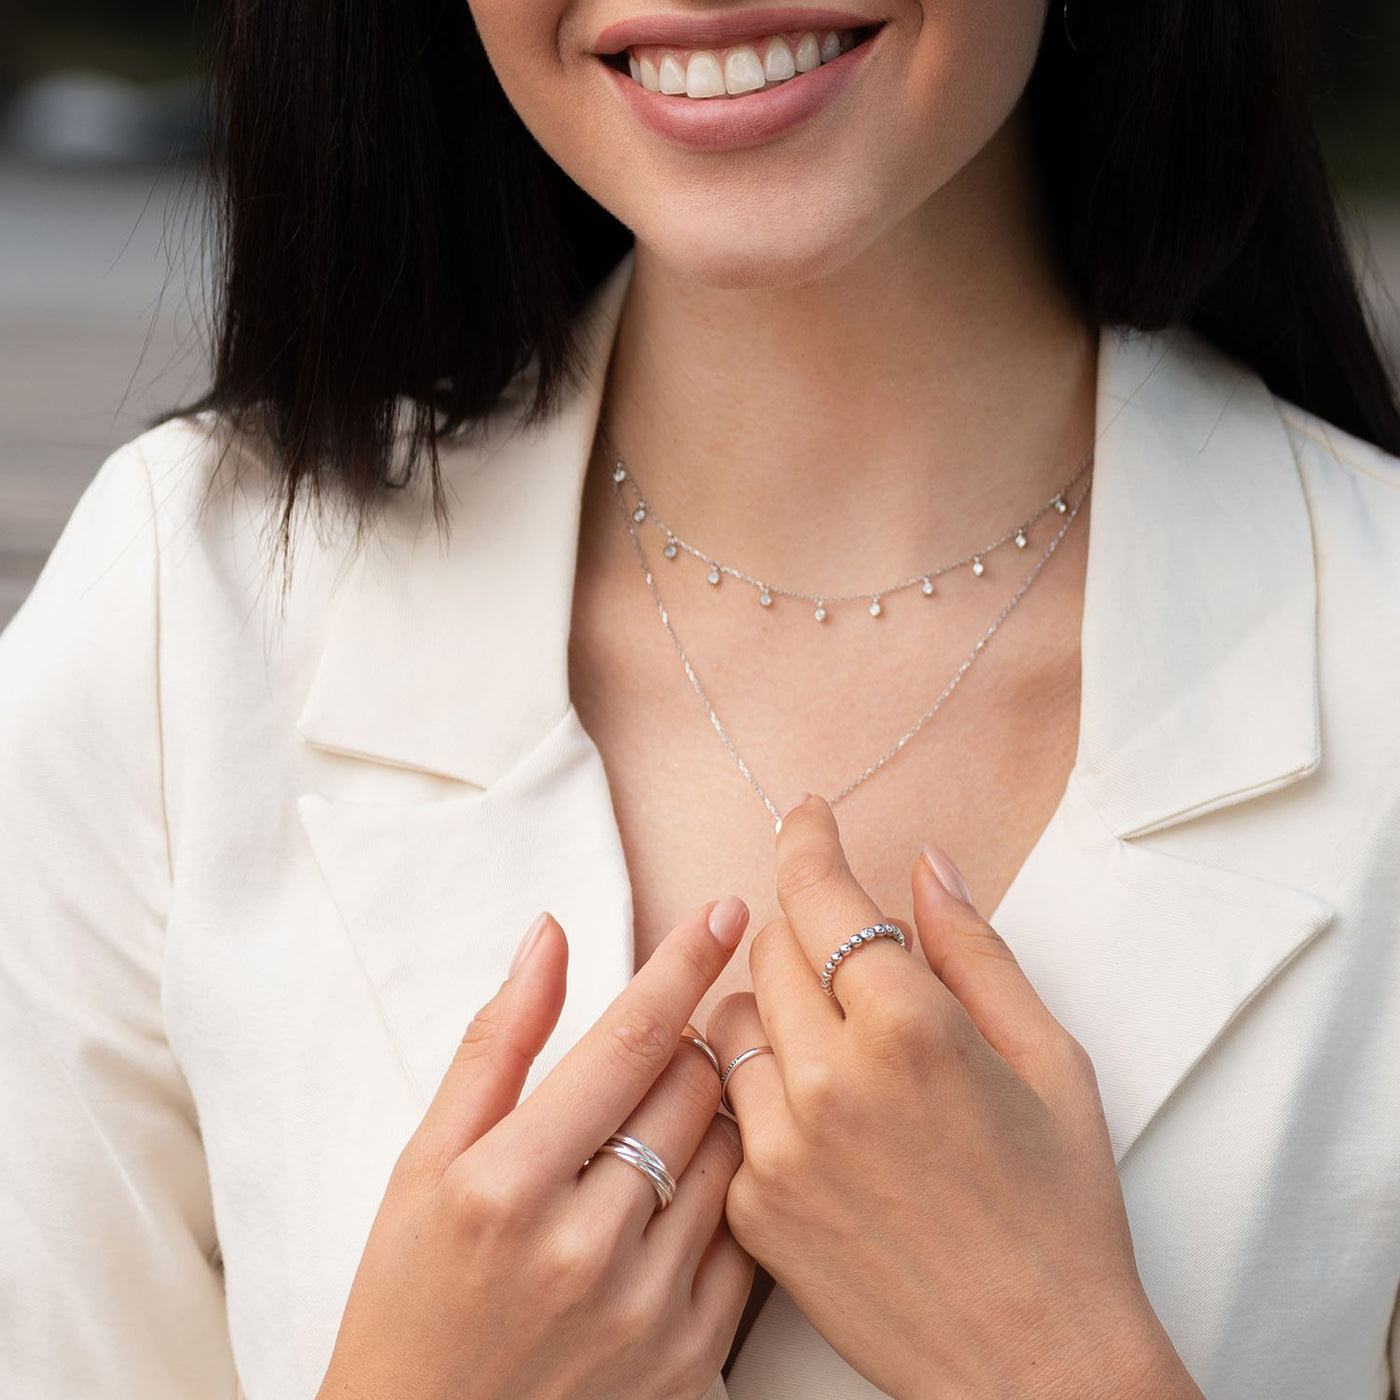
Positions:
(738, 69)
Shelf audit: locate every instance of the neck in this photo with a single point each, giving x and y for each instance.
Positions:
(904, 408)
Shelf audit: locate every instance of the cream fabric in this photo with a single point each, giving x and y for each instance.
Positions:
(258, 869)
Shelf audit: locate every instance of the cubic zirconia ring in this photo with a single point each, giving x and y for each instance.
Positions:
(732, 1066)
(701, 1043)
(639, 1155)
(858, 940)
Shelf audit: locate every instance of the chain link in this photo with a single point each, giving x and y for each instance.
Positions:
(899, 745)
(644, 510)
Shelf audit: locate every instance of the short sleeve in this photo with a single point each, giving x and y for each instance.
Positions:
(110, 1282)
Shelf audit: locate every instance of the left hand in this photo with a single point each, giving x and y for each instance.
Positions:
(927, 1168)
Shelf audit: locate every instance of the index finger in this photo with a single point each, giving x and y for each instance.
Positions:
(606, 1074)
(825, 905)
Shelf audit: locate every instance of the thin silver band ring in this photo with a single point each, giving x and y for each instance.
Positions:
(701, 1043)
(732, 1066)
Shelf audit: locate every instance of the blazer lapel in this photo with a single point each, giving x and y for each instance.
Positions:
(451, 658)
(1145, 957)
(1199, 692)
(437, 894)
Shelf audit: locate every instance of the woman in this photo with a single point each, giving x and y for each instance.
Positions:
(761, 364)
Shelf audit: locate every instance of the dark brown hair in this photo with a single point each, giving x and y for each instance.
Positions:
(395, 245)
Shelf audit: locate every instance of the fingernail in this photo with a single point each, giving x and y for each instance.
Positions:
(728, 919)
(794, 804)
(948, 874)
(527, 944)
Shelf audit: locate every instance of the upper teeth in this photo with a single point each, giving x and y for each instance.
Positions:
(726, 72)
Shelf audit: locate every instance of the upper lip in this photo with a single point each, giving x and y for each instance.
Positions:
(715, 30)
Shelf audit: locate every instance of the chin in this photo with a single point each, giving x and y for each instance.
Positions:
(726, 252)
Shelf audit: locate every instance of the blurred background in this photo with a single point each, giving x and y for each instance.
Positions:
(103, 258)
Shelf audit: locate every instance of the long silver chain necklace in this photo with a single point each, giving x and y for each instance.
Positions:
(641, 510)
(631, 518)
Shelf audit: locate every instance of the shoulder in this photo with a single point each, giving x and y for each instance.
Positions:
(1316, 439)
(1352, 492)
(212, 502)
(165, 570)
(1352, 489)
(182, 458)
(151, 496)
(80, 660)
(204, 478)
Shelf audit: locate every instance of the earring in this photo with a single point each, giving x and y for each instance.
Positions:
(1069, 38)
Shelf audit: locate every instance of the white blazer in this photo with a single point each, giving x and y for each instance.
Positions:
(257, 872)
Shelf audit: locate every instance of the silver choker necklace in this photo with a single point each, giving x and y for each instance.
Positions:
(641, 510)
(634, 515)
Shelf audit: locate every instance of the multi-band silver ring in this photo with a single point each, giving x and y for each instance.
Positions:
(858, 940)
(732, 1066)
(639, 1155)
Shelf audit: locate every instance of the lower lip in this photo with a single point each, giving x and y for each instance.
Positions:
(727, 123)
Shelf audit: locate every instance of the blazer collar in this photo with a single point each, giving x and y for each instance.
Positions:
(451, 655)
(1199, 691)
(1200, 684)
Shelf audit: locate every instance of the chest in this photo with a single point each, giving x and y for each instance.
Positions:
(982, 777)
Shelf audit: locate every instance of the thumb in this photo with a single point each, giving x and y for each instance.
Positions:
(492, 1062)
(975, 963)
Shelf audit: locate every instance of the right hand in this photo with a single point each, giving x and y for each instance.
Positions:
(496, 1267)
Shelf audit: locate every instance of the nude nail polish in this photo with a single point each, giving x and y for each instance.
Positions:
(527, 944)
(728, 920)
(949, 876)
